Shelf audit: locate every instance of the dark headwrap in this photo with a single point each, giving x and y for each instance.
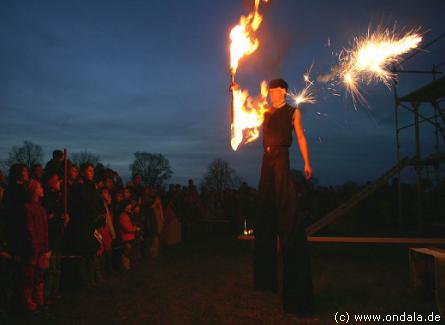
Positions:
(278, 83)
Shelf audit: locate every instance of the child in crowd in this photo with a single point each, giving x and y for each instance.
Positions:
(36, 222)
(127, 233)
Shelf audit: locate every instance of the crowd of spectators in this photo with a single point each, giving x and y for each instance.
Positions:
(82, 229)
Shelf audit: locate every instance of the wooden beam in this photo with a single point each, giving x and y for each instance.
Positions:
(377, 240)
(352, 202)
(367, 240)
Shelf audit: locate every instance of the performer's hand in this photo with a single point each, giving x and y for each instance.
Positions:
(308, 171)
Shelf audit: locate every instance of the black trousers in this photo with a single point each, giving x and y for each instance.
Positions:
(277, 217)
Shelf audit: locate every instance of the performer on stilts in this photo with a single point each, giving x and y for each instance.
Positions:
(277, 216)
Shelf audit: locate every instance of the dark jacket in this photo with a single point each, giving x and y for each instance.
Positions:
(55, 166)
(14, 200)
(53, 203)
(90, 216)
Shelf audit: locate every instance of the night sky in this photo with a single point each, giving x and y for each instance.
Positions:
(115, 77)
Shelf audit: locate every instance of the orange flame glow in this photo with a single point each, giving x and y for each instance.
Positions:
(247, 113)
(243, 41)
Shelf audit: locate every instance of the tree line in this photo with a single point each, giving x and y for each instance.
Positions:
(154, 168)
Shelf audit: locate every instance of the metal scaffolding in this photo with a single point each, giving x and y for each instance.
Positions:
(432, 94)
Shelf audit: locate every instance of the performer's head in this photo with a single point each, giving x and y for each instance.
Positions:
(277, 92)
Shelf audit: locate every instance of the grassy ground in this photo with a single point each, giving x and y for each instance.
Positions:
(211, 283)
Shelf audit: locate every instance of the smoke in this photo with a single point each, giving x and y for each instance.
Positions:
(276, 37)
(325, 78)
(275, 49)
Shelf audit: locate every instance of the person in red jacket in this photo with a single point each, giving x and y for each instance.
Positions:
(108, 234)
(127, 233)
(36, 221)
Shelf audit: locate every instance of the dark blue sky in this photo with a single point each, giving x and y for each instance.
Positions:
(116, 77)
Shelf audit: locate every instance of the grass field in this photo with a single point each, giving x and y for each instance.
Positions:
(210, 282)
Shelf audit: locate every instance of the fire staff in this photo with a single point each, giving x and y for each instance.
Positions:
(277, 215)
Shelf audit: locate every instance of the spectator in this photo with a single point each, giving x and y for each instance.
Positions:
(155, 220)
(71, 230)
(171, 232)
(73, 174)
(109, 185)
(107, 231)
(127, 233)
(137, 188)
(127, 194)
(6, 265)
(191, 186)
(37, 259)
(147, 220)
(14, 201)
(116, 204)
(90, 209)
(55, 165)
(138, 220)
(57, 220)
(37, 172)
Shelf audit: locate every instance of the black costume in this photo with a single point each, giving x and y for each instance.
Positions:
(277, 215)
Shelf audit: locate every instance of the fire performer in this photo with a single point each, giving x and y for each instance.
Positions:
(277, 210)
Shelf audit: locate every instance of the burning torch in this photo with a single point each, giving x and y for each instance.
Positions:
(243, 43)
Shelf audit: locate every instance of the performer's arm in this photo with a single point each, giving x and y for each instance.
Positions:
(302, 143)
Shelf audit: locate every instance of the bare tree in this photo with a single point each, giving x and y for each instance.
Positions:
(80, 158)
(154, 168)
(29, 154)
(220, 176)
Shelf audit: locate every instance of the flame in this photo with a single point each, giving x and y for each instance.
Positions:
(372, 55)
(243, 41)
(247, 113)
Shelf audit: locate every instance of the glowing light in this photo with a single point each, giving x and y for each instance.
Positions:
(248, 113)
(306, 95)
(371, 57)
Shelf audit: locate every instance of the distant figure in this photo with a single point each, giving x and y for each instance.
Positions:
(55, 165)
(57, 221)
(127, 234)
(277, 209)
(90, 217)
(14, 200)
(137, 188)
(107, 232)
(37, 172)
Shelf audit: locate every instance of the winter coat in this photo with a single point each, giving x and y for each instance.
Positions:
(127, 229)
(36, 228)
(53, 203)
(14, 200)
(89, 208)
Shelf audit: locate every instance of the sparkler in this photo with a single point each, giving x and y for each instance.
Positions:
(247, 114)
(371, 56)
(306, 95)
